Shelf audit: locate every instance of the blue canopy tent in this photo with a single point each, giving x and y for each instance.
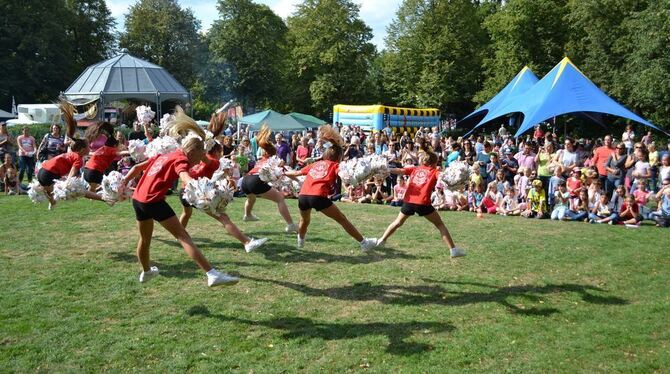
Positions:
(565, 89)
(521, 83)
(275, 121)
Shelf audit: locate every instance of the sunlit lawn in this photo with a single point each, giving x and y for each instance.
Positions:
(530, 296)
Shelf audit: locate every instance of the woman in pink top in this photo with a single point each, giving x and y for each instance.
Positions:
(27, 148)
(302, 153)
(399, 191)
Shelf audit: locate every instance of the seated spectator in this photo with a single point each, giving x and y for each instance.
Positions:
(475, 196)
(561, 201)
(601, 210)
(10, 176)
(574, 183)
(476, 177)
(537, 202)
(399, 191)
(491, 200)
(353, 193)
(579, 207)
(641, 197)
(553, 185)
(437, 198)
(662, 216)
(510, 204)
(630, 212)
(461, 199)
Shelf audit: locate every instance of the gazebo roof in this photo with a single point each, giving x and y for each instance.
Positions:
(125, 76)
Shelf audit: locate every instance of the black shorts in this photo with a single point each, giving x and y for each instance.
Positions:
(307, 202)
(184, 203)
(92, 176)
(252, 184)
(159, 210)
(46, 178)
(410, 209)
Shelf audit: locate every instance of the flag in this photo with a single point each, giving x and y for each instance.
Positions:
(13, 106)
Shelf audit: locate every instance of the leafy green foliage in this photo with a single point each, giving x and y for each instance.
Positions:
(330, 55)
(164, 33)
(248, 43)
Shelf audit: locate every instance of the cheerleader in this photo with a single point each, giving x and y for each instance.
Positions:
(160, 173)
(207, 168)
(252, 184)
(319, 179)
(421, 183)
(66, 164)
(101, 159)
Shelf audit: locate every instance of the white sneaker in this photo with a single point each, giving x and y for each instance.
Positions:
(457, 252)
(291, 228)
(301, 242)
(381, 243)
(145, 276)
(250, 217)
(368, 243)
(254, 243)
(221, 279)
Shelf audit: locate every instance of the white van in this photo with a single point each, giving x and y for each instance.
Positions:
(30, 114)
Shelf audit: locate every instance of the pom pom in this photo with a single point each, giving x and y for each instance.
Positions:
(145, 114)
(70, 188)
(208, 195)
(356, 171)
(225, 163)
(456, 175)
(161, 146)
(166, 123)
(271, 172)
(113, 188)
(36, 192)
(189, 136)
(137, 150)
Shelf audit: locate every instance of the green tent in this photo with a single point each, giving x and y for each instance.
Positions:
(276, 121)
(307, 120)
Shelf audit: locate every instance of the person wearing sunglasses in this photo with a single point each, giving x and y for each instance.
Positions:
(616, 167)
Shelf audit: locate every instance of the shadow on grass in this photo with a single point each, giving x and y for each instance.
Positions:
(206, 243)
(305, 328)
(438, 295)
(184, 269)
(286, 253)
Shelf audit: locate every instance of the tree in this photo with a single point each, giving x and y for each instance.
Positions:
(523, 32)
(330, 55)
(90, 31)
(247, 44)
(45, 45)
(435, 51)
(166, 34)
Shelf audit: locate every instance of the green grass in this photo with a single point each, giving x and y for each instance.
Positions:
(530, 296)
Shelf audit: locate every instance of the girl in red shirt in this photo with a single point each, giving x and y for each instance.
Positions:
(207, 168)
(65, 164)
(102, 158)
(252, 185)
(319, 179)
(421, 183)
(160, 173)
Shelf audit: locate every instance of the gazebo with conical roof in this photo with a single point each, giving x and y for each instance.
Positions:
(126, 77)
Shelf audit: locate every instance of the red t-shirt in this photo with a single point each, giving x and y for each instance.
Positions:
(574, 184)
(319, 179)
(421, 184)
(61, 164)
(205, 170)
(258, 166)
(102, 158)
(160, 175)
(600, 156)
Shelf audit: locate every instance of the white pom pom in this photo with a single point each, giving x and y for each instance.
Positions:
(271, 172)
(208, 195)
(358, 170)
(456, 175)
(137, 150)
(225, 163)
(113, 188)
(166, 123)
(189, 136)
(36, 192)
(161, 146)
(145, 114)
(70, 188)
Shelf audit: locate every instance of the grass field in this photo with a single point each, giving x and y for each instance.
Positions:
(530, 296)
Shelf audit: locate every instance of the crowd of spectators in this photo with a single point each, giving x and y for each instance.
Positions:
(623, 180)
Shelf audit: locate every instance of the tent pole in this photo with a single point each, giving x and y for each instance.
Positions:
(158, 106)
